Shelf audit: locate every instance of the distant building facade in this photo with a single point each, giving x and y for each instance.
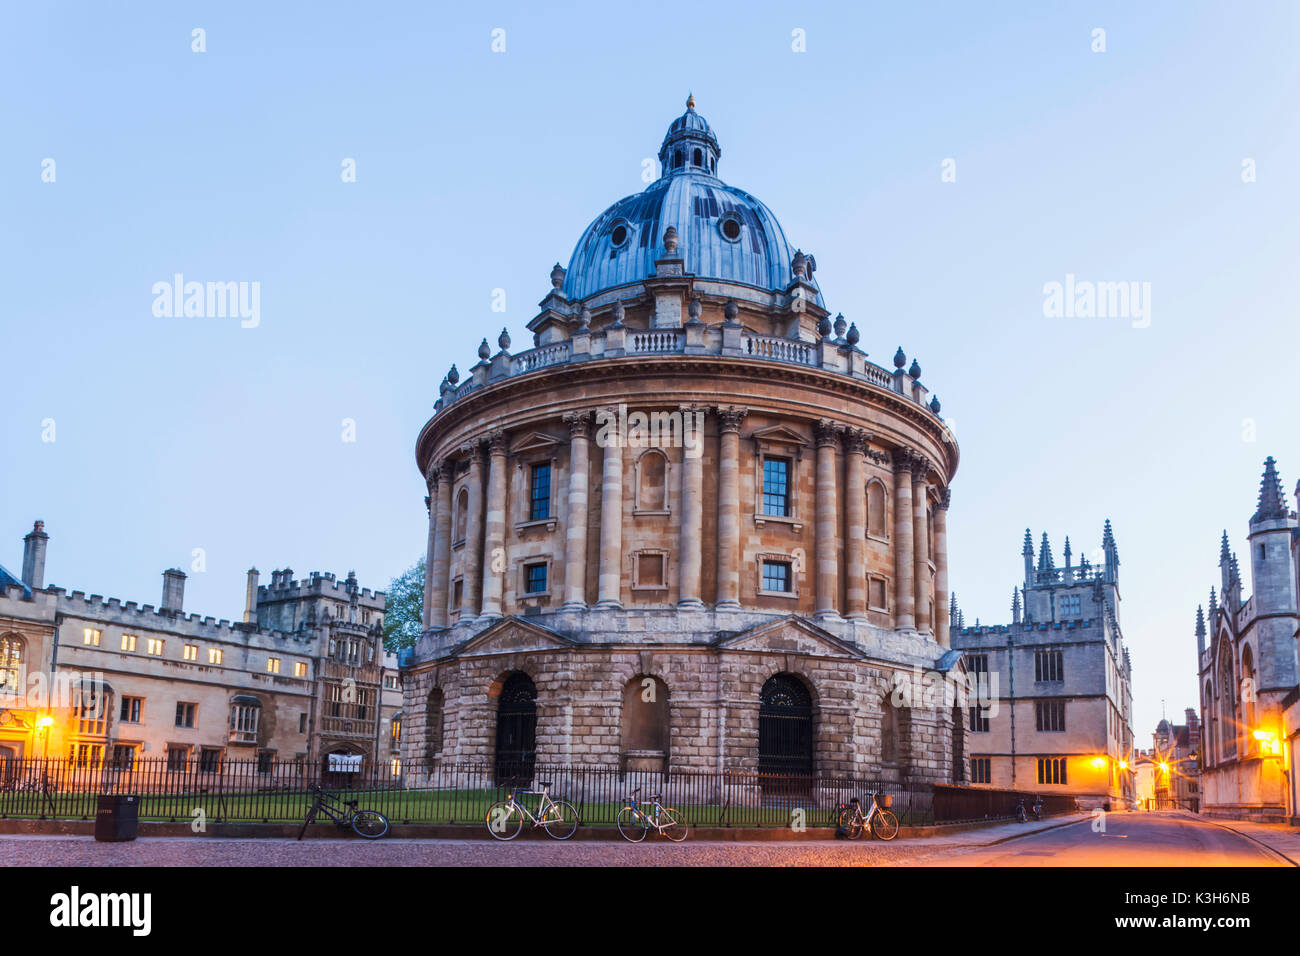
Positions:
(1061, 679)
(1168, 775)
(1246, 652)
(106, 684)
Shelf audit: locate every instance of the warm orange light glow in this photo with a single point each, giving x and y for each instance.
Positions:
(1099, 762)
(1164, 766)
(1123, 765)
(45, 723)
(1268, 742)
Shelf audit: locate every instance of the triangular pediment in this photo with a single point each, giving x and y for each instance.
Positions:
(535, 441)
(512, 635)
(779, 433)
(788, 635)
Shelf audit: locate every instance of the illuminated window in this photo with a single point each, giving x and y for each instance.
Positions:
(128, 642)
(90, 709)
(90, 637)
(12, 670)
(299, 669)
(86, 756)
(155, 646)
(191, 652)
(273, 665)
(214, 655)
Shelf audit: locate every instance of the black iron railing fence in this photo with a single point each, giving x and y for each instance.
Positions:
(273, 791)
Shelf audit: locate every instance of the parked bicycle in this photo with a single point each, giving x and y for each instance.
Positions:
(634, 822)
(505, 818)
(1036, 809)
(879, 819)
(370, 824)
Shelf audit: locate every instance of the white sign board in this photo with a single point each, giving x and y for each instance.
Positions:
(345, 763)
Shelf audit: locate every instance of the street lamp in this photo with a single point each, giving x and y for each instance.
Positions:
(1268, 743)
(43, 725)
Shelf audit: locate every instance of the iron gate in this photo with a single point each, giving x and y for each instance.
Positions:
(516, 730)
(785, 727)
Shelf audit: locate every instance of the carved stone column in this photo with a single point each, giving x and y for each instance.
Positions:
(575, 536)
(827, 514)
(691, 526)
(439, 559)
(611, 524)
(855, 525)
(941, 568)
(729, 421)
(472, 565)
(494, 538)
(904, 569)
(921, 542)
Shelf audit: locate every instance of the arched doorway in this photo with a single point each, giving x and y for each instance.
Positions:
(516, 729)
(785, 727)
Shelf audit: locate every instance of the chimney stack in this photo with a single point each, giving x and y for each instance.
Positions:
(250, 598)
(173, 596)
(34, 556)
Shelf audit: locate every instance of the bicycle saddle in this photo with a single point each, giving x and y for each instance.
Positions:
(543, 783)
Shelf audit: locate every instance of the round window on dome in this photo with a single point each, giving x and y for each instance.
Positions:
(619, 234)
(730, 228)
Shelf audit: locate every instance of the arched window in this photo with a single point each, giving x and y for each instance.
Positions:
(1207, 718)
(785, 727)
(697, 158)
(652, 481)
(677, 159)
(876, 509)
(516, 729)
(1227, 705)
(644, 731)
(13, 665)
(462, 514)
(433, 711)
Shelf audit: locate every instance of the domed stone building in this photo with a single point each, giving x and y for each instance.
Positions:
(693, 526)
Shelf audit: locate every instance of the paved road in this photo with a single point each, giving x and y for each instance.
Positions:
(1130, 839)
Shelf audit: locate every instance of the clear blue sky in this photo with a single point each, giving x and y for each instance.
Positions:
(478, 170)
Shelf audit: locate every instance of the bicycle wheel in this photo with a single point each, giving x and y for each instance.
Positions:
(504, 821)
(884, 825)
(673, 827)
(561, 820)
(631, 824)
(851, 823)
(370, 824)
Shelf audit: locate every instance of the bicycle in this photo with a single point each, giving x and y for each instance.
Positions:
(370, 824)
(505, 818)
(882, 823)
(634, 823)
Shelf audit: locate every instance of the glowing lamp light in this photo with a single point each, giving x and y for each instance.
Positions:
(1268, 742)
(1123, 765)
(1100, 762)
(1164, 767)
(45, 723)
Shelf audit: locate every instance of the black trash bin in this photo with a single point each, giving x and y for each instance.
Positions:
(117, 818)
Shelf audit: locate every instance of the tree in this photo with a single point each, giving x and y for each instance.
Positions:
(404, 613)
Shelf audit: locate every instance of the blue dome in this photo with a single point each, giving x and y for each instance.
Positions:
(723, 232)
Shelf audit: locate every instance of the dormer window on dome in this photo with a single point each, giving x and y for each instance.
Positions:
(689, 146)
(619, 233)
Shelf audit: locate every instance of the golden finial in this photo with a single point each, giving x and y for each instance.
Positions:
(690, 101)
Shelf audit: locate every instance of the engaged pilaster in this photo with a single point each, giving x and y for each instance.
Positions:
(439, 559)
(728, 564)
(904, 569)
(941, 568)
(828, 576)
(575, 540)
(921, 541)
(855, 518)
(472, 568)
(494, 541)
(690, 531)
(611, 522)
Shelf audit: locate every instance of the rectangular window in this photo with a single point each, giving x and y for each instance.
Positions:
(191, 652)
(977, 669)
(185, 714)
(86, 756)
(128, 642)
(89, 710)
(776, 576)
(981, 770)
(1049, 666)
(123, 757)
(209, 760)
(131, 708)
(1051, 715)
(273, 665)
(1051, 770)
(90, 637)
(177, 757)
(877, 592)
(302, 723)
(776, 487)
(299, 669)
(457, 593)
(535, 578)
(1071, 606)
(215, 655)
(155, 646)
(264, 759)
(539, 495)
(390, 682)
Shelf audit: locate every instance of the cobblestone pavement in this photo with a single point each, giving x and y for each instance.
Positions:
(196, 851)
